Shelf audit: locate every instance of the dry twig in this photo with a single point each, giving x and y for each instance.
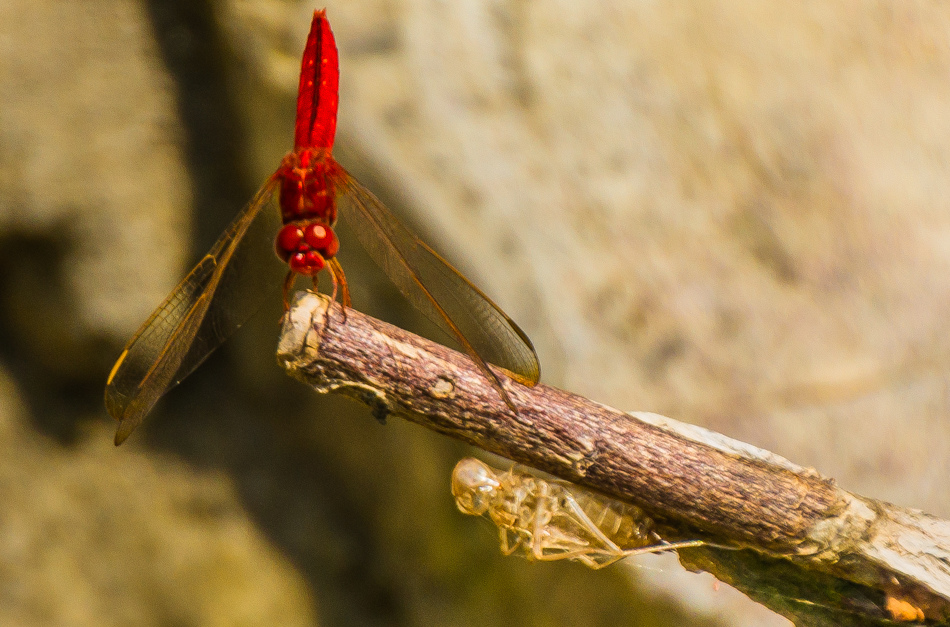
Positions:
(814, 552)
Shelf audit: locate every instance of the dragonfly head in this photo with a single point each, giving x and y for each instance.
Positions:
(306, 246)
(474, 486)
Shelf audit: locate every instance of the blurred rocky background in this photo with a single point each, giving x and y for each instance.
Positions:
(735, 213)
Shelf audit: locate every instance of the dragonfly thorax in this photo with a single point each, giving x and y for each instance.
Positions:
(306, 190)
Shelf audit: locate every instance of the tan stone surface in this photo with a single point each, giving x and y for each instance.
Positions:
(94, 535)
(90, 153)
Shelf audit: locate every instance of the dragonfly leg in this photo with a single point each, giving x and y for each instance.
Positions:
(288, 285)
(335, 287)
(546, 554)
(508, 547)
(339, 281)
(593, 563)
(667, 546)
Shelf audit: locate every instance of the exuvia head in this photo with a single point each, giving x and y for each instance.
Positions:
(474, 485)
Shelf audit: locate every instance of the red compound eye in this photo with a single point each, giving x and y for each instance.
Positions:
(298, 262)
(322, 238)
(318, 235)
(315, 262)
(332, 248)
(307, 263)
(288, 240)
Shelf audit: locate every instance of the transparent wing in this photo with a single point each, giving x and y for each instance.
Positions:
(437, 289)
(225, 289)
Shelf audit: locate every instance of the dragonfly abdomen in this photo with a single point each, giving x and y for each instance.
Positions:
(626, 525)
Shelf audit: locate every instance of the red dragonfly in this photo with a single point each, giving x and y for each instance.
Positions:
(231, 282)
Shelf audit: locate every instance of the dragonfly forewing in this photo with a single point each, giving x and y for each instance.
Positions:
(225, 289)
(437, 289)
